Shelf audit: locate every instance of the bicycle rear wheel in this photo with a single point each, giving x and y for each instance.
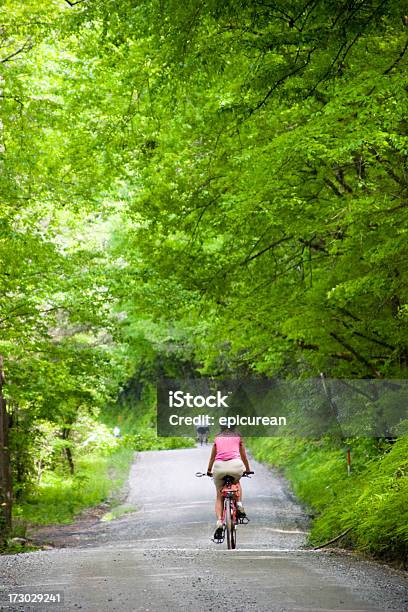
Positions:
(229, 526)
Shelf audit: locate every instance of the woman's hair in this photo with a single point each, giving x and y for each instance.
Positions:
(228, 431)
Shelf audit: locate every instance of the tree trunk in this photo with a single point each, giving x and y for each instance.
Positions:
(5, 469)
(67, 451)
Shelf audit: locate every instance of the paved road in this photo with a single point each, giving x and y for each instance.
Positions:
(161, 556)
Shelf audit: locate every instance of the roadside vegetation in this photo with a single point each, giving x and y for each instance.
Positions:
(59, 497)
(370, 506)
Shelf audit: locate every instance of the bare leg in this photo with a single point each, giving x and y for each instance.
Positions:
(239, 496)
(218, 506)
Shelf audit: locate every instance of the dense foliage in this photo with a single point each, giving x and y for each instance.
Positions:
(214, 187)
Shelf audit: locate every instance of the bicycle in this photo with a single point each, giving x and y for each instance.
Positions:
(202, 435)
(230, 515)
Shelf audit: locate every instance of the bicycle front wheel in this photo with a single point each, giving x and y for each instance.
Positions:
(229, 526)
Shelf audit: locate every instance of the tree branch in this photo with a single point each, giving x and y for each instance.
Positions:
(357, 355)
(370, 338)
(385, 164)
(379, 342)
(27, 46)
(280, 81)
(333, 187)
(399, 58)
(347, 50)
(346, 384)
(314, 245)
(340, 178)
(333, 540)
(268, 248)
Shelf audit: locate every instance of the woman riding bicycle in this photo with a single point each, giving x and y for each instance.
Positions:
(228, 457)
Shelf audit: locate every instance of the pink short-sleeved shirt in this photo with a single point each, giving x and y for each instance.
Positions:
(227, 447)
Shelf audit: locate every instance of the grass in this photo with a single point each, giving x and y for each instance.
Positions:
(117, 512)
(59, 497)
(372, 502)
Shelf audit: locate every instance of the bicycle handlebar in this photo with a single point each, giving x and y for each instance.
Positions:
(244, 475)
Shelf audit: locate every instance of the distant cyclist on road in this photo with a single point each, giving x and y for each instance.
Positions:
(202, 432)
(228, 457)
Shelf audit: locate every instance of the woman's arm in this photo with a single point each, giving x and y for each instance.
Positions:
(244, 457)
(212, 458)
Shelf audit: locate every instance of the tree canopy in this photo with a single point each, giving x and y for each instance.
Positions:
(220, 184)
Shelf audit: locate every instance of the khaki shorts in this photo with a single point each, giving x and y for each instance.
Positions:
(232, 467)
